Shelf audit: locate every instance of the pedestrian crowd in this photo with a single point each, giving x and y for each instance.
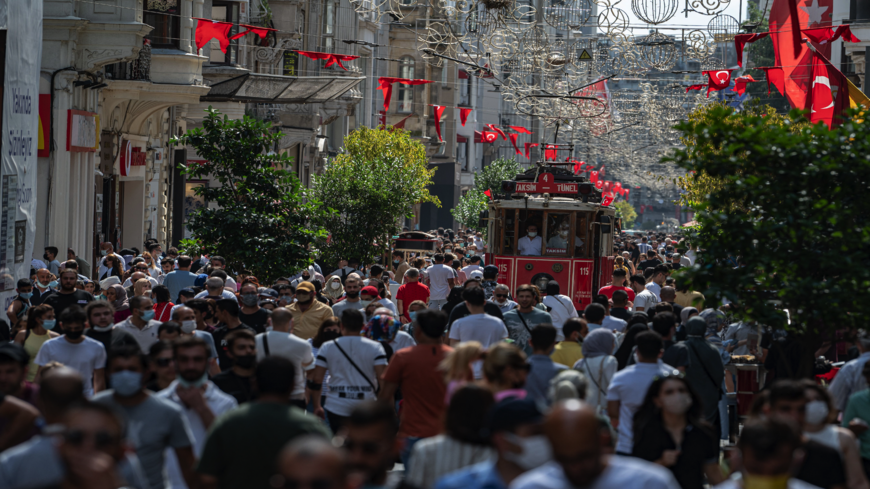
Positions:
(172, 371)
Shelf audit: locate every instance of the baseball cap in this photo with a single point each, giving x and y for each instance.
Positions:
(269, 292)
(14, 352)
(370, 290)
(305, 287)
(512, 412)
(476, 275)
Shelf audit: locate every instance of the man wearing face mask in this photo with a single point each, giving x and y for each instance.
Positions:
(308, 314)
(400, 266)
(101, 328)
(43, 287)
(187, 318)
(76, 351)
(21, 303)
(68, 295)
(154, 424)
(530, 244)
(141, 323)
(574, 436)
(251, 313)
(200, 400)
(517, 434)
(227, 312)
(242, 353)
(280, 342)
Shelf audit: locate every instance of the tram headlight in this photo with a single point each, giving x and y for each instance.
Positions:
(508, 186)
(586, 190)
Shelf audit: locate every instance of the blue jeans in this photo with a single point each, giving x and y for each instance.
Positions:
(410, 441)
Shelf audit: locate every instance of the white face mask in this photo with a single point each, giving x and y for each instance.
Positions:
(188, 327)
(563, 233)
(536, 451)
(817, 412)
(678, 403)
(335, 285)
(532, 235)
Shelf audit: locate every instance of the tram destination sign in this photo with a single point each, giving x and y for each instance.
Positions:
(547, 184)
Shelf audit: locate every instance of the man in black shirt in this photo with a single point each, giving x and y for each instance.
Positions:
(620, 300)
(461, 309)
(651, 261)
(68, 295)
(251, 313)
(101, 321)
(242, 352)
(228, 315)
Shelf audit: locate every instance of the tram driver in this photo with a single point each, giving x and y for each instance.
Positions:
(530, 244)
(559, 240)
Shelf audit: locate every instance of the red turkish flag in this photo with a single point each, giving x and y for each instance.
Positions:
(330, 57)
(696, 87)
(550, 151)
(824, 35)
(206, 30)
(608, 199)
(578, 166)
(787, 18)
(740, 83)
(717, 80)
(774, 75)
(385, 84)
(626, 192)
(488, 193)
(496, 129)
(829, 94)
(617, 186)
(601, 172)
(520, 129)
(260, 31)
(528, 147)
(593, 177)
(514, 142)
(607, 186)
(742, 39)
(437, 113)
(463, 115)
(599, 184)
(489, 137)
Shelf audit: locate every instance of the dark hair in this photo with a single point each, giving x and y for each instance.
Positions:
(663, 322)
(467, 413)
(638, 279)
(620, 296)
(369, 413)
(648, 411)
(786, 390)
(638, 318)
(455, 295)
(22, 353)
(169, 327)
(438, 258)
(526, 288)
(127, 351)
(543, 336)
(219, 274)
(23, 282)
(229, 306)
(158, 348)
(764, 437)
(601, 299)
(184, 261)
(649, 344)
(200, 305)
(619, 272)
(553, 287)
(319, 338)
(191, 341)
(648, 272)
(275, 375)
(73, 314)
(51, 249)
(239, 333)
(431, 322)
(161, 293)
(218, 258)
(137, 300)
(594, 313)
(663, 308)
(474, 296)
(571, 326)
(36, 312)
(353, 320)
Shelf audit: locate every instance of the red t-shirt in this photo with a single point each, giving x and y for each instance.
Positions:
(410, 292)
(415, 369)
(610, 289)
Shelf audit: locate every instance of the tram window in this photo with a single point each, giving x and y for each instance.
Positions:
(558, 232)
(531, 227)
(507, 224)
(581, 249)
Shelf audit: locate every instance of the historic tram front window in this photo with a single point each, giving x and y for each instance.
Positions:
(558, 233)
(581, 245)
(507, 227)
(530, 229)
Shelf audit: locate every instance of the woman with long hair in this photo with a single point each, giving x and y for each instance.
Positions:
(505, 369)
(117, 296)
(115, 267)
(454, 298)
(153, 269)
(142, 287)
(162, 305)
(669, 430)
(463, 442)
(459, 365)
(598, 365)
(40, 322)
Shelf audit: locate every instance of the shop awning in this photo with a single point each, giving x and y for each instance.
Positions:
(277, 89)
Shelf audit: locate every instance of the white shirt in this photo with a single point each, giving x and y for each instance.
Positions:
(688, 259)
(226, 294)
(507, 306)
(146, 336)
(655, 289)
(483, 328)
(561, 309)
(389, 305)
(84, 357)
(292, 348)
(599, 371)
(629, 387)
(646, 299)
(217, 401)
(471, 268)
(347, 386)
(402, 340)
(621, 472)
(611, 323)
(439, 274)
(530, 247)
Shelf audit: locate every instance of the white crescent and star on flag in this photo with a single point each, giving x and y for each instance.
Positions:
(814, 12)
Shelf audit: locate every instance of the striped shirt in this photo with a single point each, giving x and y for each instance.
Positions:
(440, 455)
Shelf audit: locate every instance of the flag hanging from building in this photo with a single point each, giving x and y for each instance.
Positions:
(717, 80)
(331, 58)
(437, 113)
(831, 93)
(741, 40)
(463, 115)
(514, 142)
(529, 146)
(206, 30)
(260, 31)
(385, 84)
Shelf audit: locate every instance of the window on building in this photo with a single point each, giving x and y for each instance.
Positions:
(225, 12)
(406, 92)
(462, 152)
(329, 27)
(465, 84)
(162, 15)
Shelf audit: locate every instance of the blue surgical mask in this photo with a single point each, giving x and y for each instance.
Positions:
(26, 295)
(148, 315)
(196, 383)
(49, 323)
(52, 284)
(126, 383)
(104, 252)
(412, 315)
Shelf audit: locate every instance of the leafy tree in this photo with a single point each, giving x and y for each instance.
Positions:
(371, 185)
(467, 211)
(264, 221)
(801, 236)
(626, 212)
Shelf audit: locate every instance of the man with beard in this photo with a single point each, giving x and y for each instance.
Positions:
(199, 399)
(73, 349)
(242, 353)
(308, 314)
(68, 295)
(371, 443)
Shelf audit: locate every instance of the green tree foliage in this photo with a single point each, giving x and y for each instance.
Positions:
(801, 236)
(371, 185)
(760, 53)
(626, 212)
(264, 220)
(467, 211)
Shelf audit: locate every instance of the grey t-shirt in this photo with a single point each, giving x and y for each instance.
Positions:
(519, 331)
(152, 427)
(339, 308)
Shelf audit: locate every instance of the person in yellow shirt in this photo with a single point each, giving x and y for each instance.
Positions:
(569, 351)
(308, 313)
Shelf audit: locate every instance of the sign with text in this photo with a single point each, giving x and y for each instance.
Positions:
(547, 184)
(505, 270)
(582, 291)
(81, 131)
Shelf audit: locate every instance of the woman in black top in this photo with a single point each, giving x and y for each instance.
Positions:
(669, 430)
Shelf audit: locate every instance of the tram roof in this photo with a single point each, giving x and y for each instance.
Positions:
(538, 202)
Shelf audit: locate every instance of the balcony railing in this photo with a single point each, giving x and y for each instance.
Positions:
(137, 70)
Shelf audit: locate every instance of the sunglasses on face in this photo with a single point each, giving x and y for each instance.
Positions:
(102, 439)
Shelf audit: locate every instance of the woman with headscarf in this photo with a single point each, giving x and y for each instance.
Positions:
(333, 289)
(117, 295)
(598, 365)
(705, 372)
(623, 354)
(687, 313)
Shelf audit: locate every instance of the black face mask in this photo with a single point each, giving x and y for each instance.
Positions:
(73, 335)
(45, 256)
(246, 361)
(331, 335)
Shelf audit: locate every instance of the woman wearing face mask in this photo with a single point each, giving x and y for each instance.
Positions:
(599, 366)
(162, 306)
(819, 415)
(669, 430)
(333, 290)
(459, 366)
(117, 295)
(40, 322)
(505, 369)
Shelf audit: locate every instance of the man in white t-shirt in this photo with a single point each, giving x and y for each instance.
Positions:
(281, 343)
(355, 364)
(475, 265)
(441, 280)
(561, 307)
(76, 351)
(628, 387)
(530, 244)
(644, 299)
(573, 431)
(477, 326)
(658, 280)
